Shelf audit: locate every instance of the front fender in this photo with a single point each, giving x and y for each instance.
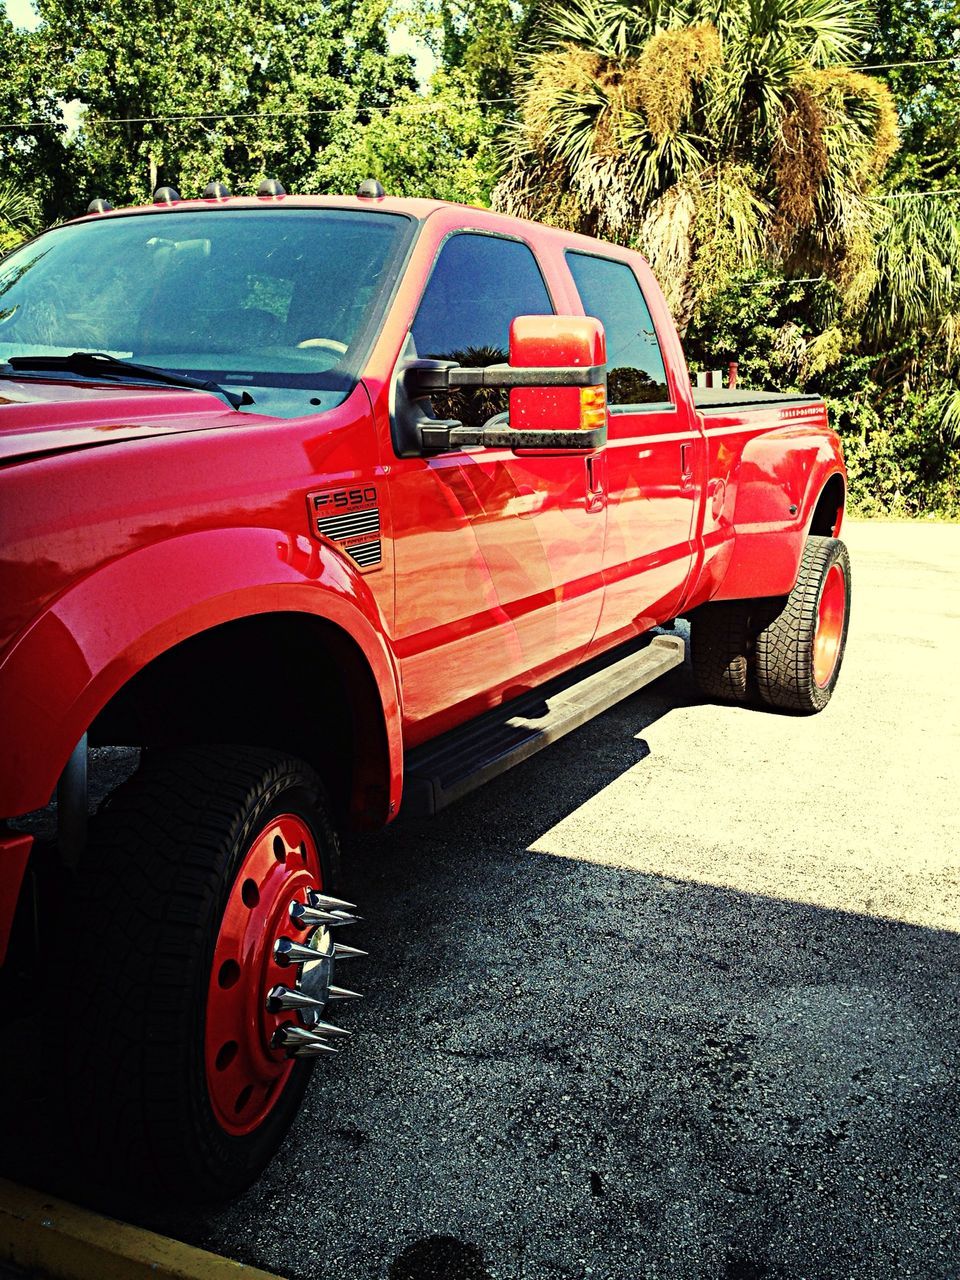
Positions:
(781, 477)
(106, 627)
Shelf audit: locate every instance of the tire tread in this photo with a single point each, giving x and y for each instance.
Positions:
(162, 847)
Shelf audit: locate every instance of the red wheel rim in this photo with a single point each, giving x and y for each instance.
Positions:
(245, 1075)
(831, 612)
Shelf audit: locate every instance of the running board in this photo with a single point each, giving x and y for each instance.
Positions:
(449, 766)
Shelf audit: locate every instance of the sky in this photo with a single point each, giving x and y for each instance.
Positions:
(22, 13)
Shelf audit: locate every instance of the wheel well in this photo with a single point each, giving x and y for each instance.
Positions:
(280, 680)
(828, 513)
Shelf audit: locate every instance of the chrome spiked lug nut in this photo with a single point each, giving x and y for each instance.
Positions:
(326, 903)
(280, 999)
(294, 1038)
(286, 951)
(304, 916)
(311, 1050)
(342, 952)
(341, 993)
(291, 1033)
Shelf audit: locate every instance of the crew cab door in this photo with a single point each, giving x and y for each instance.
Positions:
(653, 448)
(498, 556)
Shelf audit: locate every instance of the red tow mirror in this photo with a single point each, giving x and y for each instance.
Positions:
(557, 377)
(558, 342)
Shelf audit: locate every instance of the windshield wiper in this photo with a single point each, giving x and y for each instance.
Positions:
(96, 364)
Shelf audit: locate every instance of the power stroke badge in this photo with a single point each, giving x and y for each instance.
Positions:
(350, 517)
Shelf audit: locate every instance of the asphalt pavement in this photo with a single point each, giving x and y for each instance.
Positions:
(677, 998)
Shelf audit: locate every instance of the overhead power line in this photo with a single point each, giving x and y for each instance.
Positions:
(890, 66)
(919, 195)
(425, 104)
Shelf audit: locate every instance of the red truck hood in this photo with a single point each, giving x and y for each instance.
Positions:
(49, 416)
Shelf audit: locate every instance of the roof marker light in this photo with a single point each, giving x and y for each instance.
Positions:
(370, 189)
(166, 195)
(270, 187)
(216, 191)
(99, 206)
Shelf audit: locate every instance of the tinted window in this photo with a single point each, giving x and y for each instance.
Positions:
(610, 292)
(479, 284)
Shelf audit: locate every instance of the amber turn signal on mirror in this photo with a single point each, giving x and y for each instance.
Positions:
(558, 408)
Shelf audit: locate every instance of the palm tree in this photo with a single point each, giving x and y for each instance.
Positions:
(19, 215)
(911, 320)
(709, 133)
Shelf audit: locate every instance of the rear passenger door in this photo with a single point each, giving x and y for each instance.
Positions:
(651, 484)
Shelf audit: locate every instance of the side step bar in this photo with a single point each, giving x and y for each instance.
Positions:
(448, 767)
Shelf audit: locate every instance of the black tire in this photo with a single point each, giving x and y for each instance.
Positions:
(800, 651)
(162, 861)
(722, 640)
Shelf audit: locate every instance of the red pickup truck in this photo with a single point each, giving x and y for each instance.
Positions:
(333, 506)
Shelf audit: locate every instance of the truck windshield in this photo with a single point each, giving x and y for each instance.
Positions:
(282, 303)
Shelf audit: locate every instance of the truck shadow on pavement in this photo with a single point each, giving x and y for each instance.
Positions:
(566, 1069)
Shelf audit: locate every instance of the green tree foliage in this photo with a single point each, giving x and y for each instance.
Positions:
(927, 95)
(481, 38)
(891, 377)
(437, 145)
(31, 142)
(254, 88)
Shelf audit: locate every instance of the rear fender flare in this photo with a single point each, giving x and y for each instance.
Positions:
(781, 477)
(109, 625)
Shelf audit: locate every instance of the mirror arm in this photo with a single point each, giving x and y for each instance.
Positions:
(500, 437)
(426, 376)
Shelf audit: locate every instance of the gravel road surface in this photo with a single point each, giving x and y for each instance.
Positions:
(678, 998)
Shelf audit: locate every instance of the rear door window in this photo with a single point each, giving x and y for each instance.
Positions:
(611, 292)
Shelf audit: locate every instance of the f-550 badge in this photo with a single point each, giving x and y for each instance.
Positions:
(349, 517)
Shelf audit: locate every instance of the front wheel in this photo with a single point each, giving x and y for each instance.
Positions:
(798, 654)
(205, 960)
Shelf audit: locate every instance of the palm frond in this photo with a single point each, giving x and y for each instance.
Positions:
(918, 270)
(656, 165)
(950, 419)
(18, 210)
(612, 30)
(666, 238)
(732, 225)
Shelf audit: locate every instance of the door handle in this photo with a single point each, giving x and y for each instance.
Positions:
(686, 464)
(596, 472)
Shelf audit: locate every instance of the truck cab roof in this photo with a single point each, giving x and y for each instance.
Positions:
(410, 206)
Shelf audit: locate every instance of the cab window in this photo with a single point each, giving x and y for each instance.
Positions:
(478, 285)
(611, 292)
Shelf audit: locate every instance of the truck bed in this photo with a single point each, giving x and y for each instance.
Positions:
(722, 399)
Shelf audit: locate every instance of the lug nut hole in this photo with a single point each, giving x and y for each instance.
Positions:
(229, 974)
(250, 893)
(303, 851)
(243, 1097)
(279, 849)
(226, 1054)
